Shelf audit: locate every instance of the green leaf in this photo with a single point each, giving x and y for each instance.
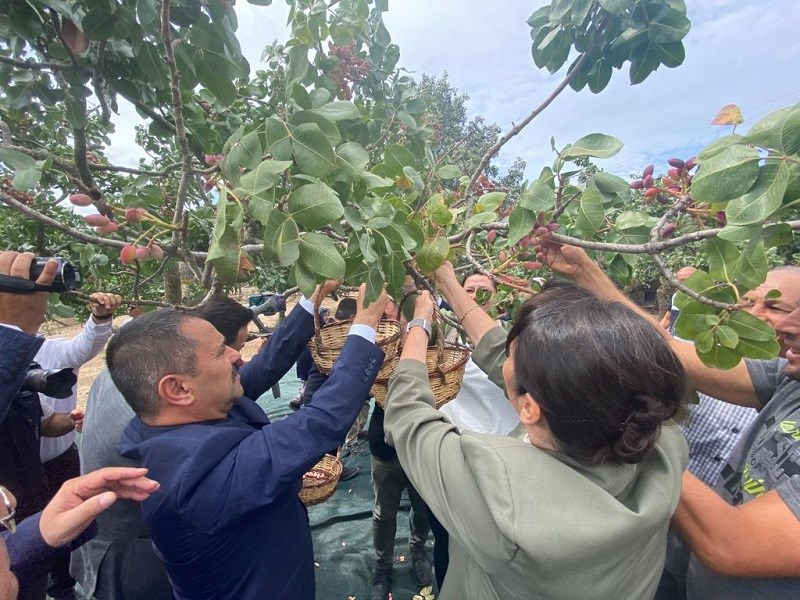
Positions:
(631, 219)
(614, 190)
(726, 175)
(27, 172)
(327, 126)
(246, 153)
(704, 341)
(751, 268)
(520, 223)
(353, 159)
(315, 205)
(758, 350)
(260, 207)
(312, 151)
(337, 111)
(779, 130)
(395, 273)
(374, 284)
(319, 255)
(304, 279)
(278, 138)
(396, 157)
(538, 197)
(749, 327)
(644, 60)
(98, 23)
(416, 179)
(734, 233)
(597, 145)
(615, 7)
(598, 76)
(763, 199)
(448, 172)
(689, 324)
(266, 175)
(777, 234)
(704, 284)
(591, 215)
(719, 145)
(283, 237)
(722, 258)
(298, 65)
(727, 336)
(432, 254)
(152, 63)
(669, 26)
(215, 72)
(479, 219)
(719, 356)
(670, 55)
(76, 112)
(490, 201)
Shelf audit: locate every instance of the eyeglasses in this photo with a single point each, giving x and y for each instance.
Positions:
(8, 521)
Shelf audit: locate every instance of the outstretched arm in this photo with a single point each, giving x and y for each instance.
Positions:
(734, 385)
(739, 541)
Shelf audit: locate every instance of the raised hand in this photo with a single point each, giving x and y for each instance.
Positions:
(80, 500)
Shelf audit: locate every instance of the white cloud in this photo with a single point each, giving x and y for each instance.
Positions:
(738, 52)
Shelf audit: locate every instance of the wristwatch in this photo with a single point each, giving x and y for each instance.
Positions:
(420, 323)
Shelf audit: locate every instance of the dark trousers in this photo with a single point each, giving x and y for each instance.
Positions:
(59, 469)
(441, 549)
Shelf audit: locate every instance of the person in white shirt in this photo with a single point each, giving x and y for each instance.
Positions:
(480, 405)
(61, 418)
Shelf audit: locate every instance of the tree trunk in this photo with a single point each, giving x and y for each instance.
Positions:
(173, 291)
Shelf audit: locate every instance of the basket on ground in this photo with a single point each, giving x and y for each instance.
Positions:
(320, 482)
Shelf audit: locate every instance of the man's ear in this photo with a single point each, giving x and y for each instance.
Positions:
(530, 413)
(175, 390)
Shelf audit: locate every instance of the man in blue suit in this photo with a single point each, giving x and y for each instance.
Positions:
(227, 520)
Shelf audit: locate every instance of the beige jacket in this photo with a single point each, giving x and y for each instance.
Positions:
(528, 523)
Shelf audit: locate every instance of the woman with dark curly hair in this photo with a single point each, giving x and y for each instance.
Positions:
(576, 502)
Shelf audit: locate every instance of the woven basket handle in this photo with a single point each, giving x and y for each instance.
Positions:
(317, 335)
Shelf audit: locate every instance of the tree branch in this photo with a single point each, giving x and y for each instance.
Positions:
(491, 152)
(80, 235)
(180, 129)
(44, 66)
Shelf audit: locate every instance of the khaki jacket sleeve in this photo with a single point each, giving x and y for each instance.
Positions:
(429, 448)
(490, 354)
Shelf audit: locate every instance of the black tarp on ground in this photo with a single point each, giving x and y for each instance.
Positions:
(342, 525)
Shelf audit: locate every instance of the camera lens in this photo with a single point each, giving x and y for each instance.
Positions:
(67, 277)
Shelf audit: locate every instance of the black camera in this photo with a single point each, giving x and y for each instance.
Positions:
(56, 383)
(67, 278)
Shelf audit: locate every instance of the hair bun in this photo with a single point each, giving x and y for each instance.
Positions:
(640, 431)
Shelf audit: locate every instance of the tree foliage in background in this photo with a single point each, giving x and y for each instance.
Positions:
(330, 161)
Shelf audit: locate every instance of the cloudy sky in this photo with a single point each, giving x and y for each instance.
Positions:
(737, 52)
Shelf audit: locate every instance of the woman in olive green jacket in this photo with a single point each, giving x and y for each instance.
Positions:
(577, 505)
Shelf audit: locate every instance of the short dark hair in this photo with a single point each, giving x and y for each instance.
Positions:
(476, 272)
(226, 315)
(346, 309)
(145, 350)
(603, 376)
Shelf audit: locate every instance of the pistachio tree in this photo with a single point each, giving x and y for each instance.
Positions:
(321, 160)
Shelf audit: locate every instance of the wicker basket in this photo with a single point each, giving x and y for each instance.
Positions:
(320, 482)
(328, 341)
(445, 374)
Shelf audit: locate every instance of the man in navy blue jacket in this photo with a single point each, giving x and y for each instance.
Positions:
(227, 520)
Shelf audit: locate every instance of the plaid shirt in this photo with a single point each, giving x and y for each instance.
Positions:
(713, 429)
